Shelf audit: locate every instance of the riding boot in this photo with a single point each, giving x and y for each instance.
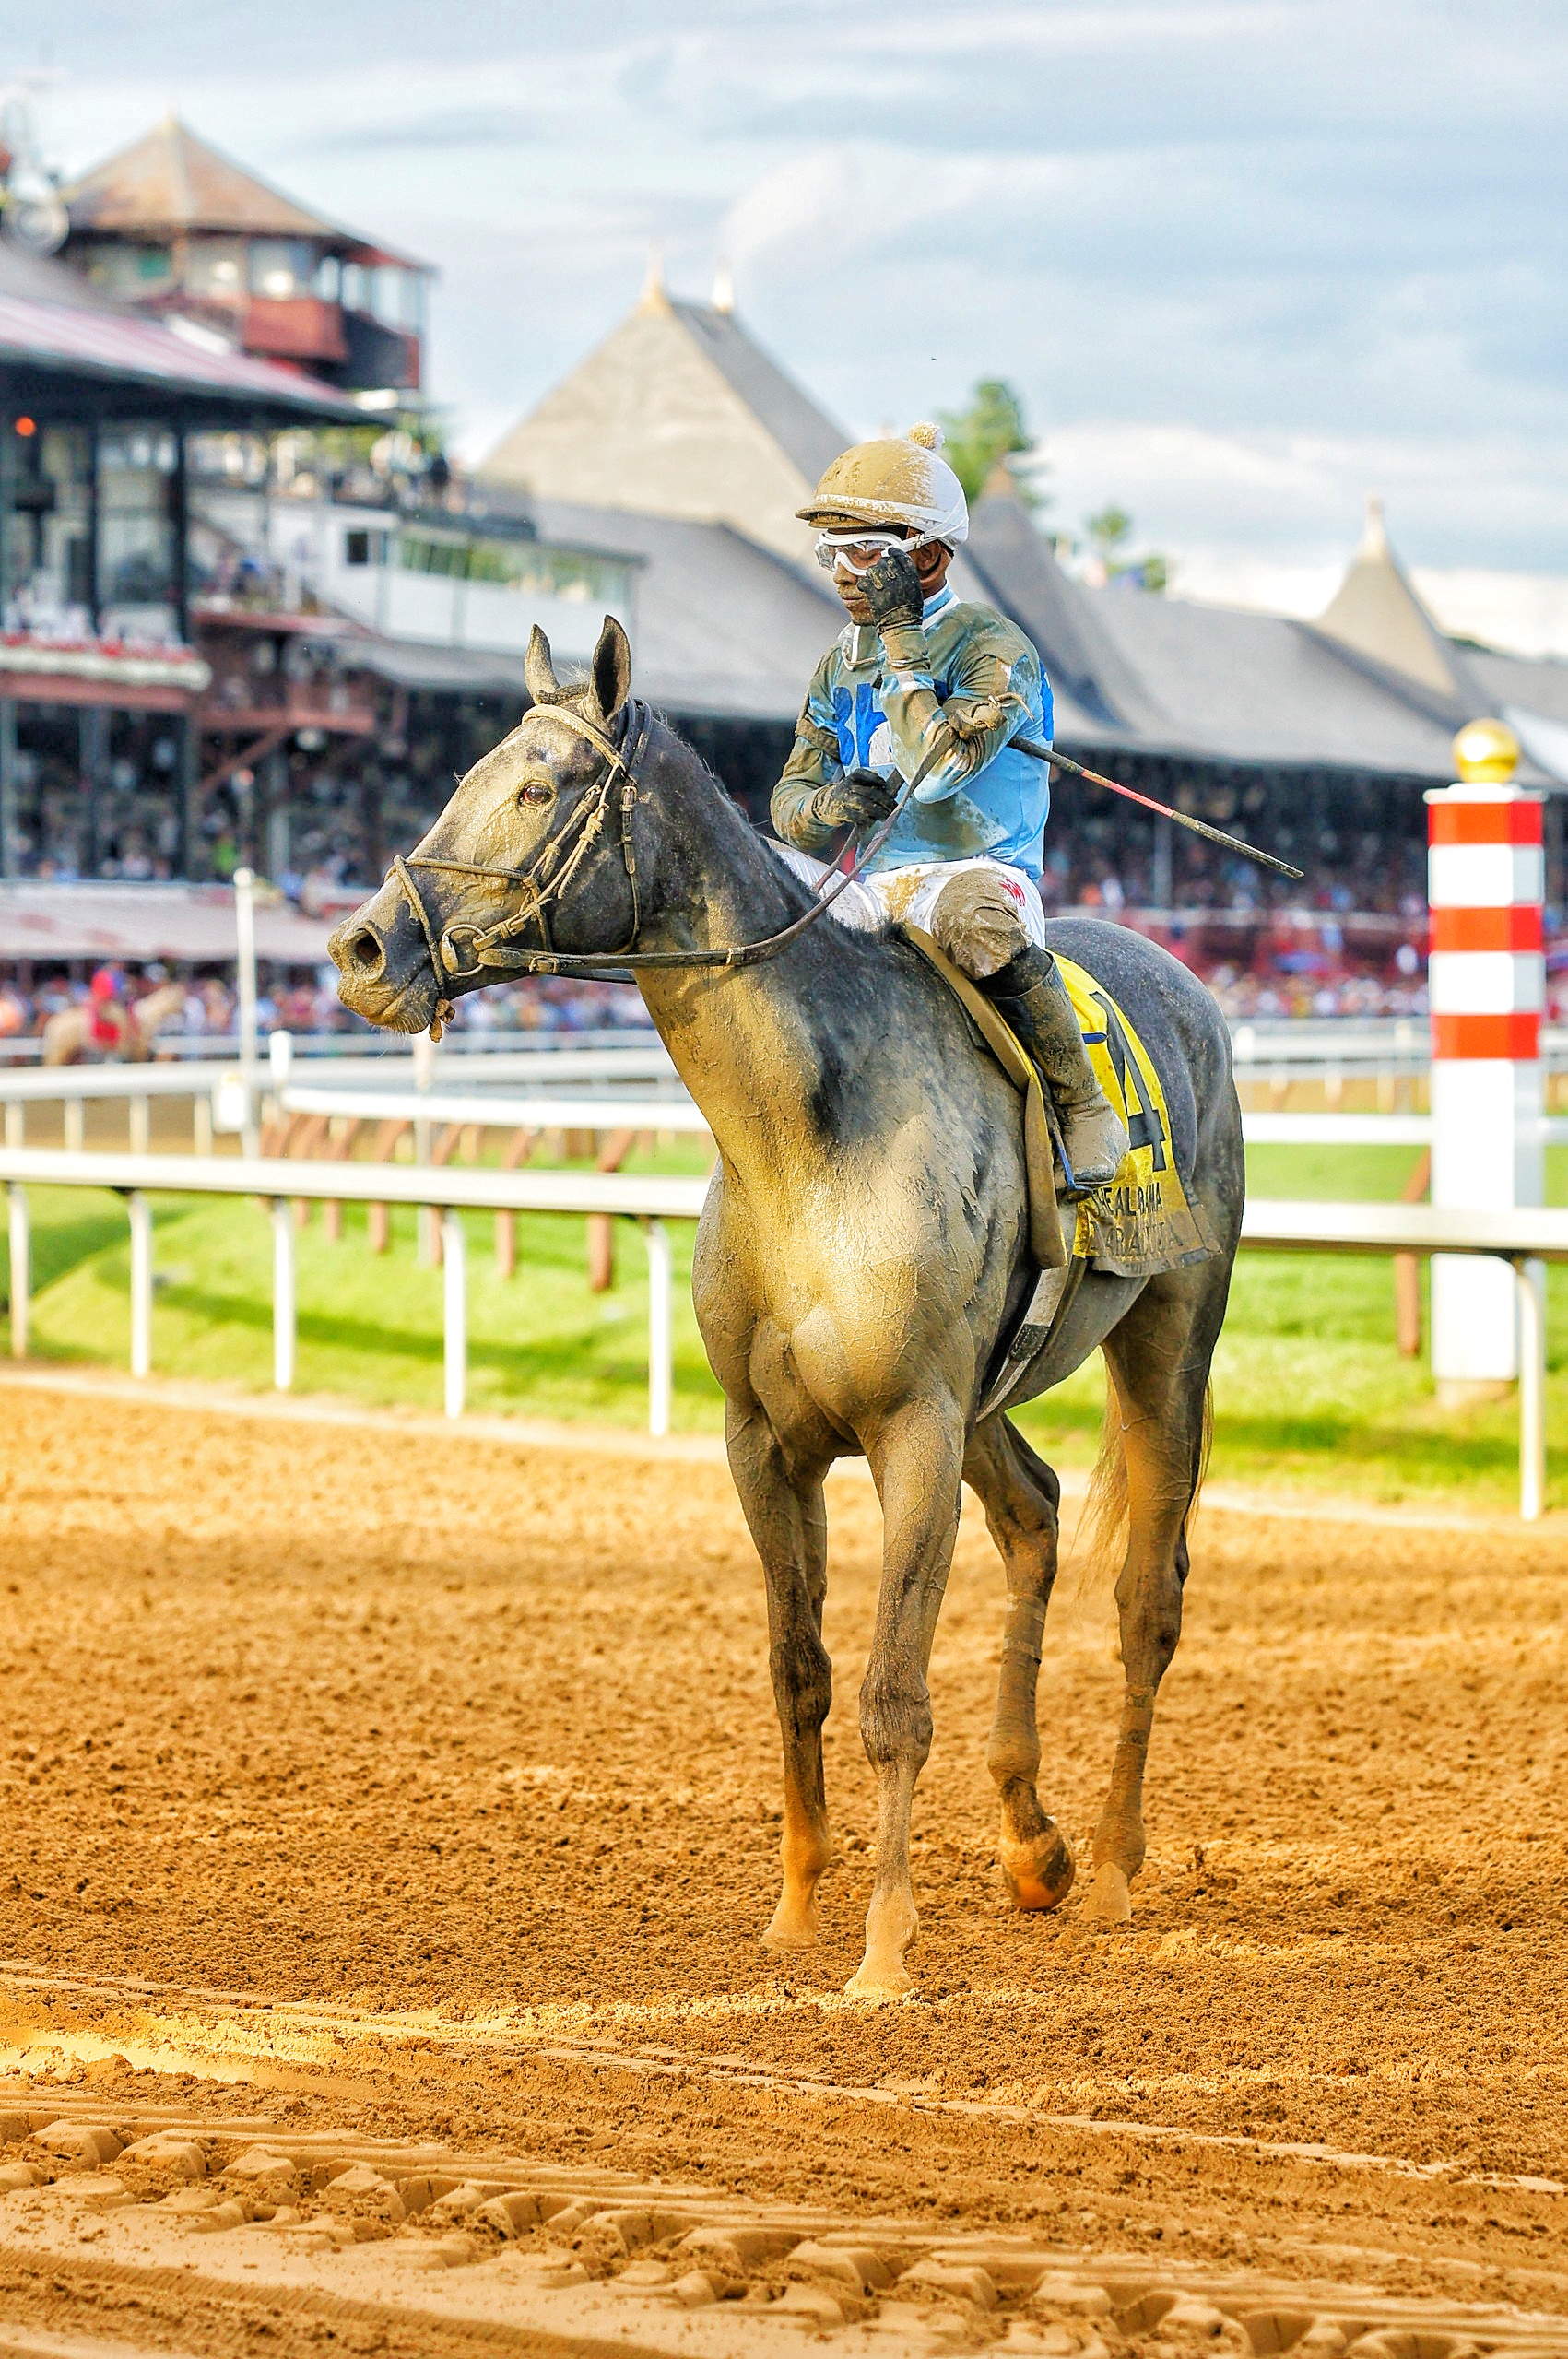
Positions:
(1031, 994)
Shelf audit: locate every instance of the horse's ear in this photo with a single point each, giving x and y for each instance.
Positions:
(538, 672)
(611, 672)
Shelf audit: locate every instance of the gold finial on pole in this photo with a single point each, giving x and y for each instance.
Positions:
(654, 297)
(1486, 753)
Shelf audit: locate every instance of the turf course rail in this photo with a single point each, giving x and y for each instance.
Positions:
(1523, 1238)
(651, 1198)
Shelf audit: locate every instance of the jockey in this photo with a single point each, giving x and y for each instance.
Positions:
(915, 670)
(106, 1009)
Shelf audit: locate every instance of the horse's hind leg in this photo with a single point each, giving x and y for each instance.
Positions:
(1158, 1358)
(785, 1510)
(1020, 1496)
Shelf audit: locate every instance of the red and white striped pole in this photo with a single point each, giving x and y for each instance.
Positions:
(1487, 989)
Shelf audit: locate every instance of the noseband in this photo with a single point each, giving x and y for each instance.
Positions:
(544, 884)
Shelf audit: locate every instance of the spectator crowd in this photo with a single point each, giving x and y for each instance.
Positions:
(311, 1006)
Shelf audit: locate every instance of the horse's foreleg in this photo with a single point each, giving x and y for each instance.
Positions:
(1020, 1495)
(789, 1522)
(1160, 1375)
(916, 1461)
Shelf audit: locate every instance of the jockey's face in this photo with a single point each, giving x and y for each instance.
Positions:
(931, 563)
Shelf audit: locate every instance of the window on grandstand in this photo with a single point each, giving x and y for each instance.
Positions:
(136, 536)
(572, 574)
(282, 268)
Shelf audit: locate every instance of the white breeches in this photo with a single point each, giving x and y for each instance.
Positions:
(976, 929)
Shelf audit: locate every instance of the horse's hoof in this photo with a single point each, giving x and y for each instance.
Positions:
(790, 1932)
(1038, 1873)
(883, 1981)
(1110, 1901)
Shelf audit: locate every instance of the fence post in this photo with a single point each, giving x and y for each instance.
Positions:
(454, 1295)
(660, 1331)
(140, 1215)
(21, 1268)
(1530, 1288)
(427, 1221)
(201, 1122)
(74, 1124)
(140, 1123)
(16, 1119)
(245, 992)
(283, 1302)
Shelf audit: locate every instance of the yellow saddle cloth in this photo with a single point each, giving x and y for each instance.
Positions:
(1144, 1221)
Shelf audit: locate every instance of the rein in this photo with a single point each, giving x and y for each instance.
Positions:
(546, 882)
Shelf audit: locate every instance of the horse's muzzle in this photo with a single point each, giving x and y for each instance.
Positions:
(384, 968)
(357, 951)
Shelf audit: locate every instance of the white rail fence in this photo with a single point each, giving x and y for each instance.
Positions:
(363, 1087)
(1524, 1239)
(385, 1048)
(650, 1199)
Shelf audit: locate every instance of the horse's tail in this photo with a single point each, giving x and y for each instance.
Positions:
(1205, 1445)
(1103, 1526)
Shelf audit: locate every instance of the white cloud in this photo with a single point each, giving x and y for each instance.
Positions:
(1244, 259)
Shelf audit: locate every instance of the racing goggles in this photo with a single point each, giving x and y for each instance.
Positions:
(857, 550)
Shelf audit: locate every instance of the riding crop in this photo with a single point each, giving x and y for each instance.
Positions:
(1164, 810)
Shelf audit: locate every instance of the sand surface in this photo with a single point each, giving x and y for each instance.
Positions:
(430, 1785)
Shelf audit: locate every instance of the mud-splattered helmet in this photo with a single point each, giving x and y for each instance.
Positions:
(898, 482)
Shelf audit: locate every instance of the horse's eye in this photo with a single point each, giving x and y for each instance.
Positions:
(534, 793)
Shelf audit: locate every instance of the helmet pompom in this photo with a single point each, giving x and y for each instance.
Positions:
(929, 437)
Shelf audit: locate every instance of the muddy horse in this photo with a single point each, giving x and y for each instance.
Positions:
(864, 1253)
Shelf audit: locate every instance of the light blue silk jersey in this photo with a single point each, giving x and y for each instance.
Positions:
(963, 680)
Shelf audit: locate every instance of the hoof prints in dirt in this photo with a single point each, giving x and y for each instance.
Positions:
(599, 2255)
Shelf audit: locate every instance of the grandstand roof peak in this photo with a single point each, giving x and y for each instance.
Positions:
(679, 413)
(1375, 531)
(169, 181)
(1375, 613)
(653, 301)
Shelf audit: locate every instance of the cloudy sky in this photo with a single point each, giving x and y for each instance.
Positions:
(1245, 260)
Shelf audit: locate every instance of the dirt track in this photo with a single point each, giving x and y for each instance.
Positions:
(411, 1725)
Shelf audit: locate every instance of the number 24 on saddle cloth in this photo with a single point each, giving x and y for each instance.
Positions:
(1143, 1221)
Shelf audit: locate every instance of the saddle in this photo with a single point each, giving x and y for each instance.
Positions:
(1143, 1222)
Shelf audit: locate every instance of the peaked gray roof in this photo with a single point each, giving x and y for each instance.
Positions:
(1250, 687)
(805, 433)
(1018, 571)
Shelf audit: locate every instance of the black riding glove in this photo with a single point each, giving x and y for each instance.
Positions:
(891, 589)
(859, 798)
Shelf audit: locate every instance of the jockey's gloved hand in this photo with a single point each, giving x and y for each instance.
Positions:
(859, 798)
(891, 589)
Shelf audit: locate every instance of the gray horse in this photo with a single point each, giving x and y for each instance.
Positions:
(863, 1257)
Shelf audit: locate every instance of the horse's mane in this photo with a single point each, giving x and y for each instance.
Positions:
(742, 829)
(743, 834)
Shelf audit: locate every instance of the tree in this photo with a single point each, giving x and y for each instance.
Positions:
(1109, 531)
(989, 431)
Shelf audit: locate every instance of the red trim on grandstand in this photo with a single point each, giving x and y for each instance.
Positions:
(1514, 1038)
(1514, 928)
(1484, 822)
(103, 343)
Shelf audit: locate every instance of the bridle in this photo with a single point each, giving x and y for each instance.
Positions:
(544, 884)
(546, 881)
